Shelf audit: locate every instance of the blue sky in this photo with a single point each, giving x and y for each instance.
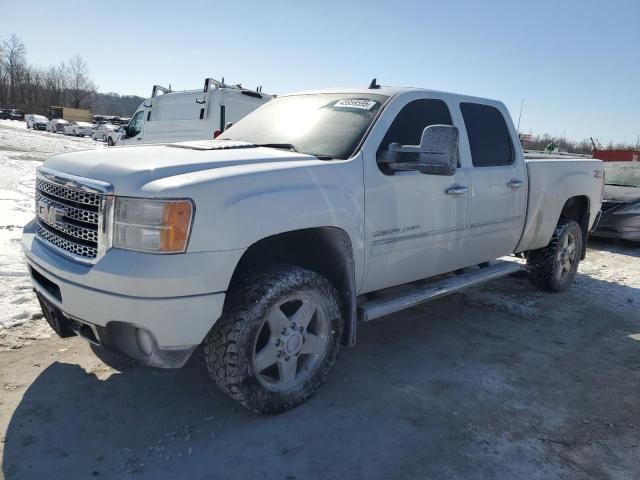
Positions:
(577, 63)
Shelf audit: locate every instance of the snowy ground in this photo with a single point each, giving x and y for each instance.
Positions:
(501, 381)
(21, 151)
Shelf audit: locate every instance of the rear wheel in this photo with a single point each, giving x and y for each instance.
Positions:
(553, 268)
(277, 340)
(110, 142)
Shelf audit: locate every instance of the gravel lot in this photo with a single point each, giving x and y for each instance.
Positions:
(499, 382)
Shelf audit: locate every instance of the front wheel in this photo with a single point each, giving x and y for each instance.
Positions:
(277, 339)
(554, 267)
(110, 142)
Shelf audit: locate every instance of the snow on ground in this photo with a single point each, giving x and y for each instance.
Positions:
(21, 151)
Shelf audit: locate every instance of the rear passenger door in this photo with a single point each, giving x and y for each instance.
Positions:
(498, 182)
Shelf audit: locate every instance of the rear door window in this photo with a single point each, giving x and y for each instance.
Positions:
(489, 137)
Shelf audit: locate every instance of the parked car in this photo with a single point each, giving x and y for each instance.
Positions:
(36, 122)
(101, 131)
(4, 114)
(621, 203)
(114, 135)
(79, 129)
(16, 115)
(271, 241)
(190, 115)
(56, 125)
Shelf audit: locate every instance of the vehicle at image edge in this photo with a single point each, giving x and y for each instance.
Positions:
(101, 131)
(56, 125)
(267, 244)
(11, 114)
(79, 129)
(621, 204)
(170, 116)
(16, 115)
(36, 122)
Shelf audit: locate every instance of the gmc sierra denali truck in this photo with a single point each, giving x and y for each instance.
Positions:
(268, 244)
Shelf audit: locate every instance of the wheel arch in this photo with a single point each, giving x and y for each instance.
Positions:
(324, 250)
(577, 208)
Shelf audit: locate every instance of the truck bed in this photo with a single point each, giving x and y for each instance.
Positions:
(551, 182)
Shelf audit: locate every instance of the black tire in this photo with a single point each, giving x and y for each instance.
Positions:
(549, 268)
(230, 347)
(110, 142)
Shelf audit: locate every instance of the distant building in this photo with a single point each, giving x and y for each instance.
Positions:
(617, 155)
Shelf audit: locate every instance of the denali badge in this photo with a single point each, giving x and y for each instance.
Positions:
(50, 214)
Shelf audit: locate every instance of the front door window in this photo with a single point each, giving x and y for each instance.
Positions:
(135, 125)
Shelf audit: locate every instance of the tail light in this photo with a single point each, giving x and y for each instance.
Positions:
(216, 133)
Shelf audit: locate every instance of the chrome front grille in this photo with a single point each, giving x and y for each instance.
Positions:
(73, 248)
(63, 192)
(72, 214)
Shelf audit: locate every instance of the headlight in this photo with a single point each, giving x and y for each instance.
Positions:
(147, 225)
(634, 208)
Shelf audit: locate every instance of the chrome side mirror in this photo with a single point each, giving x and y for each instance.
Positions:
(437, 153)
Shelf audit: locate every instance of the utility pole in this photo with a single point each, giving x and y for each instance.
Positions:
(520, 114)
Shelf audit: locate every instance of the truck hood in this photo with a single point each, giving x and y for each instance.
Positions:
(128, 169)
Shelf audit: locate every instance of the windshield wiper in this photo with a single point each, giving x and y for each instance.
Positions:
(292, 147)
(282, 146)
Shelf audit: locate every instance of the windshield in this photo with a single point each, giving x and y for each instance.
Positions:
(325, 125)
(626, 174)
(39, 118)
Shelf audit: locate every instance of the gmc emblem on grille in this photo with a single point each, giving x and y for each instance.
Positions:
(51, 214)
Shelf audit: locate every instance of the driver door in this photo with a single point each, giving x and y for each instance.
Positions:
(134, 130)
(415, 226)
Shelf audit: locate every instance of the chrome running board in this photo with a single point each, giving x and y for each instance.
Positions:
(412, 295)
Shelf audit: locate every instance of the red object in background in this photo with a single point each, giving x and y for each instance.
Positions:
(617, 155)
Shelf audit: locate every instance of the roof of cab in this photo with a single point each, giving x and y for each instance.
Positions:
(391, 91)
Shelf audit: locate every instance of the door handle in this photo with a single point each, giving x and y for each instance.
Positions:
(456, 190)
(515, 184)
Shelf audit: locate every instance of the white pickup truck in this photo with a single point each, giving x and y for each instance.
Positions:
(269, 243)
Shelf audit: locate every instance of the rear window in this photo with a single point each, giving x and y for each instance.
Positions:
(488, 134)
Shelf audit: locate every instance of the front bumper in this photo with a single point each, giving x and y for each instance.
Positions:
(170, 300)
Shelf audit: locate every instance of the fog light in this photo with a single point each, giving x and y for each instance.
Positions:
(145, 342)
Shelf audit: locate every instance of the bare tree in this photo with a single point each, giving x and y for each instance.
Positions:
(80, 87)
(14, 54)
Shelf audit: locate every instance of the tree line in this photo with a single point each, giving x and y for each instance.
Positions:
(34, 89)
(584, 147)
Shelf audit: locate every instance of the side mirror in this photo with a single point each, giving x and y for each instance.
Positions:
(227, 126)
(437, 153)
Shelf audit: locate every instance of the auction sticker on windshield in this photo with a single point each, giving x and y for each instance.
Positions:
(360, 103)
